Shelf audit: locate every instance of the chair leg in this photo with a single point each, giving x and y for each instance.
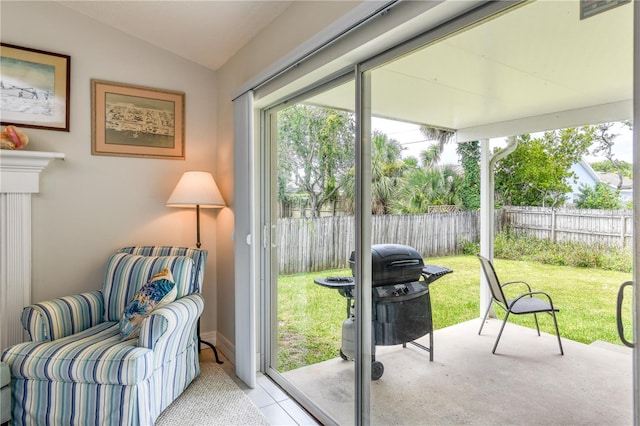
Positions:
(485, 317)
(500, 334)
(553, 314)
(535, 316)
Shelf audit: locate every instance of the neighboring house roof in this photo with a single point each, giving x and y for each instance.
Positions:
(613, 180)
(585, 175)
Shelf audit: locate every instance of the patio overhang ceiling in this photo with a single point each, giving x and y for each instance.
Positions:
(537, 67)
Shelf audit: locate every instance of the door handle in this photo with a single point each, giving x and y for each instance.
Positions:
(274, 244)
(619, 313)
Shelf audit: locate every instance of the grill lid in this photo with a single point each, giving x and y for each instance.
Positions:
(392, 264)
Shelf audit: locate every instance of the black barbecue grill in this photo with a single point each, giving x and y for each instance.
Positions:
(401, 308)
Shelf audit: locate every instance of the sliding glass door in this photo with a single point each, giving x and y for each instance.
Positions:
(310, 286)
(334, 168)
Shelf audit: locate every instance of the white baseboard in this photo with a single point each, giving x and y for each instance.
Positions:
(224, 346)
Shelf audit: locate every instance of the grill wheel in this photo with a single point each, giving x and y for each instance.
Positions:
(377, 369)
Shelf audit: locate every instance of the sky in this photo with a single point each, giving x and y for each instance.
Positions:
(413, 141)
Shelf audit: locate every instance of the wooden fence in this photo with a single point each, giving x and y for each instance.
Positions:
(317, 244)
(607, 227)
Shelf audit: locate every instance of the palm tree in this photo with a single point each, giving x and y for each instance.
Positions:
(387, 170)
(441, 137)
(423, 188)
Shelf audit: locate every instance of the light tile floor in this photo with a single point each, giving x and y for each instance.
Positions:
(272, 401)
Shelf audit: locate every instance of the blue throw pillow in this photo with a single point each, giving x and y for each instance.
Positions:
(160, 290)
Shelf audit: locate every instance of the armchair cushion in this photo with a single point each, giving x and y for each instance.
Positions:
(199, 257)
(95, 355)
(126, 274)
(159, 291)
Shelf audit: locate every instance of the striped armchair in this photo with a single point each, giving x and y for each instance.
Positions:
(76, 370)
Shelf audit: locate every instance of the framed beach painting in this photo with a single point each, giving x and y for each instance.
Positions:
(34, 88)
(136, 121)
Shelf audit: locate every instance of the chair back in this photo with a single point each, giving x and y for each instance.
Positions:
(126, 273)
(199, 257)
(492, 279)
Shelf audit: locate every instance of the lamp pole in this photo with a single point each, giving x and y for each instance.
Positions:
(198, 244)
(197, 188)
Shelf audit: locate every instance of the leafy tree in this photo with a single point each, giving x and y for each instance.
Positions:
(315, 149)
(606, 167)
(605, 141)
(537, 171)
(469, 153)
(600, 196)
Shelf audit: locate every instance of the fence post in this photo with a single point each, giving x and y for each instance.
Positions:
(623, 228)
(553, 225)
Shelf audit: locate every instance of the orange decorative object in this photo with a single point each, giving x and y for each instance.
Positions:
(13, 138)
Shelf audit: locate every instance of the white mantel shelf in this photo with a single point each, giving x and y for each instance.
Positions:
(20, 170)
(19, 179)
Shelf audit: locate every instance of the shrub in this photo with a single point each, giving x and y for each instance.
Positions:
(599, 197)
(512, 246)
(469, 247)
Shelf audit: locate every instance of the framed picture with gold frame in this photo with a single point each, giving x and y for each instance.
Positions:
(34, 88)
(136, 121)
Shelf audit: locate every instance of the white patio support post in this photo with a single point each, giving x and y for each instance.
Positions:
(636, 217)
(486, 221)
(487, 210)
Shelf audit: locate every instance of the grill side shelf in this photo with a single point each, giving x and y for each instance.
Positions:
(335, 282)
(431, 273)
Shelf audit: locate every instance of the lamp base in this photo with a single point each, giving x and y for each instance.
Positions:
(200, 341)
(215, 352)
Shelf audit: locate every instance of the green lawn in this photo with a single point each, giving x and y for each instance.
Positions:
(310, 316)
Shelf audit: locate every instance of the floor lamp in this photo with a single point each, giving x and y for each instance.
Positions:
(197, 189)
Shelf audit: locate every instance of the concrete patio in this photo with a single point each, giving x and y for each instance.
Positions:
(526, 382)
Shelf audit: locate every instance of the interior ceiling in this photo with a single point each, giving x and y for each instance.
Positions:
(205, 32)
(537, 67)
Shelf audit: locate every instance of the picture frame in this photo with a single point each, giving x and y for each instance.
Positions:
(136, 121)
(34, 88)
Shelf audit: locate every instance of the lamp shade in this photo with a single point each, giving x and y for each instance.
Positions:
(196, 188)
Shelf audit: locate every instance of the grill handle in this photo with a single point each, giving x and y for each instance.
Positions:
(403, 263)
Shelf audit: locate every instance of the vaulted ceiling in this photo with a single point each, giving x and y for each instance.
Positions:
(205, 32)
(534, 68)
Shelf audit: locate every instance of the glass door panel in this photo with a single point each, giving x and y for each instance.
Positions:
(459, 83)
(476, 75)
(310, 240)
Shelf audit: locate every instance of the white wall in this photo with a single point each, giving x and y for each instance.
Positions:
(89, 205)
(584, 177)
